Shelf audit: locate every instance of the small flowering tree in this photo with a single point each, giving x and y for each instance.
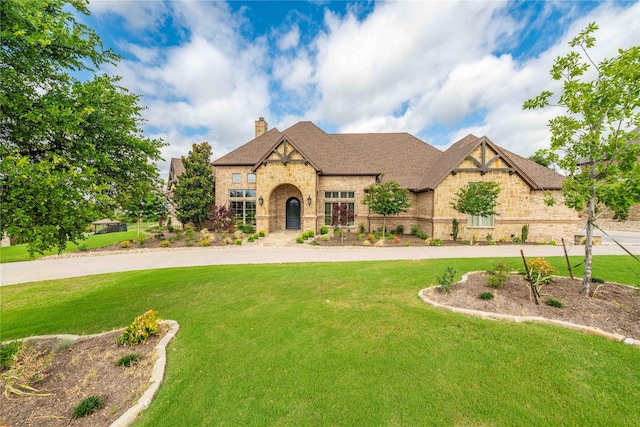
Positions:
(387, 198)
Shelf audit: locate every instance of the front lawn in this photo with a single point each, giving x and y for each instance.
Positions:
(343, 344)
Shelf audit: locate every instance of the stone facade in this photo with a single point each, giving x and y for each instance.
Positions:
(291, 189)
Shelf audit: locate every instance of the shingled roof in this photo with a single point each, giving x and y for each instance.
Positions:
(401, 157)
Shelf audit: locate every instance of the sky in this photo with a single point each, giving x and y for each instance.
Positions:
(440, 70)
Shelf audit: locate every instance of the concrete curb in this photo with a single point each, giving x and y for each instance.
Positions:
(518, 319)
(157, 375)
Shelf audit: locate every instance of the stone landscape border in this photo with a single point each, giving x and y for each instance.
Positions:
(423, 294)
(157, 372)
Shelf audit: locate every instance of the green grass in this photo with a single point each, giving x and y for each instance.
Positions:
(19, 252)
(343, 344)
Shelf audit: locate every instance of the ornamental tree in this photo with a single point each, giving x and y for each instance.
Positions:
(342, 216)
(477, 198)
(71, 150)
(387, 198)
(594, 140)
(194, 192)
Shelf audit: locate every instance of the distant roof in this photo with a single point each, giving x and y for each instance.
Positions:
(399, 156)
(105, 221)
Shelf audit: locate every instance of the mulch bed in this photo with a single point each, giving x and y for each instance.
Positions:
(85, 368)
(613, 308)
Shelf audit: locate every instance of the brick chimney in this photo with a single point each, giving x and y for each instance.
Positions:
(261, 127)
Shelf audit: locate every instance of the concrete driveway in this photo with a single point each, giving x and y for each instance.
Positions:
(59, 268)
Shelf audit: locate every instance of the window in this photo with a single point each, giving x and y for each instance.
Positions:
(236, 177)
(332, 197)
(243, 203)
(251, 177)
(475, 221)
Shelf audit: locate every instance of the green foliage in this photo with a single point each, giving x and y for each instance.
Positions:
(324, 229)
(436, 242)
(596, 279)
(447, 279)
(300, 239)
(238, 242)
(544, 158)
(387, 198)
(415, 230)
(308, 234)
(486, 296)
(128, 359)
(540, 271)
(152, 207)
(165, 243)
(8, 353)
(477, 198)
(261, 233)
(205, 241)
(140, 329)
(400, 229)
(141, 240)
(245, 228)
(455, 228)
(361, 229)
(423, 236)
(251, 238)
(595, 136)
(524, 233)
(194, 191)
(73, 149)
(499, 267)
(497, 279)
(88, 406)
(125, 244)
(552, 302)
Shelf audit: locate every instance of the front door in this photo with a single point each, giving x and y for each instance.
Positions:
(293, 214)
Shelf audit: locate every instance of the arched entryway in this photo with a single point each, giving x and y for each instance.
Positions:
(293, 214)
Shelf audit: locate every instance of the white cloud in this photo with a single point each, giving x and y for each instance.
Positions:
(290, 40)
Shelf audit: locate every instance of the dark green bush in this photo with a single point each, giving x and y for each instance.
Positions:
(400, 229)
(87, 407)
(552, 302)
(486, 296)
(8, 353)
(497, 279)
(324, 229)
(128, 360)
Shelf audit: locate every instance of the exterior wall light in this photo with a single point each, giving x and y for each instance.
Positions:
(261, 201)
(309, 200)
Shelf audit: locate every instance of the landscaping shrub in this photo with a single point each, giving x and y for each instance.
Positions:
(540, 271)
(436, 242)
(415, 230)
(251, 239)
(140, 329)
(261, 233)
(299, 239)
(524, 233)
(366, 243)
(141, 240)
(227, 241)
(552, 302)
(87, 407)
(596, 280)
(400, 229)
(497, 279)
(486, 296)
(455, 227)
(447, 279)
(165, 243)
(238, 242)
(422, 236)
(308, 234)
(128, 359)
(325, 237)
(408, 243)
(371, 237)
(205, 242)
(125, 244)
(361, 229)
(8, 353)
(324, 230)
(499, 266)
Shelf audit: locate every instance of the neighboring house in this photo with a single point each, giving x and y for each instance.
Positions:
(291, 180)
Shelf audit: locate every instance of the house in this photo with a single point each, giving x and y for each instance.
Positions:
(291, 179)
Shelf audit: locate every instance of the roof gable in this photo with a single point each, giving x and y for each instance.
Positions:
(284, 151)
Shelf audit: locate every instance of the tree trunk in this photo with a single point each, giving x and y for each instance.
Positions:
(588, 244)
(384, 227)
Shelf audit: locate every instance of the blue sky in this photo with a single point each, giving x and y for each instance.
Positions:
(206, 70)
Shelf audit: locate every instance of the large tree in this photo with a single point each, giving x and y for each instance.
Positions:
(194, 192)
(387, 198)
(71, 149)
(594, 138)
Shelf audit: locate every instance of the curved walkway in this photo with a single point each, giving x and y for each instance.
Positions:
(59, 268)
